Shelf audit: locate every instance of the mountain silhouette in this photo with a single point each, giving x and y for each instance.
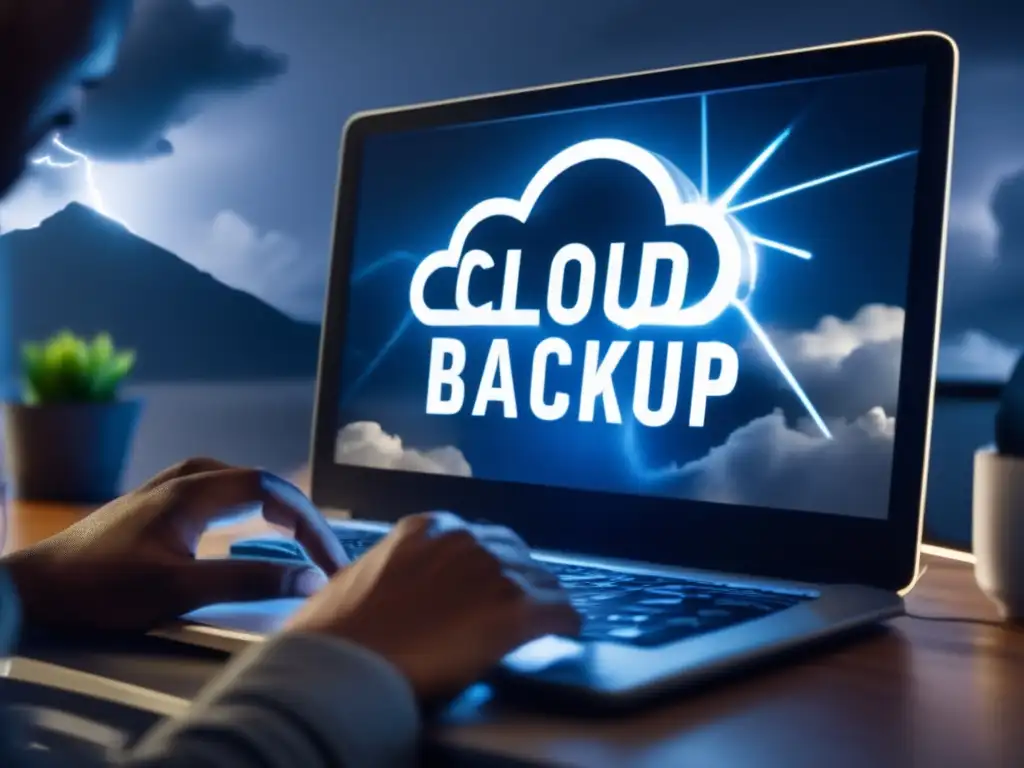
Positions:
(85, 273)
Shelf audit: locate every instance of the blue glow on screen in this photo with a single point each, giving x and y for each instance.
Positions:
(615, 298)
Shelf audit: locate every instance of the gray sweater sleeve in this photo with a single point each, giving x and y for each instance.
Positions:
(298, 700)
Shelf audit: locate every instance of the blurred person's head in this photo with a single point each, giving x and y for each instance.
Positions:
(49, 51)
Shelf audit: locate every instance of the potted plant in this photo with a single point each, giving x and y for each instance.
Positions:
(67, 439)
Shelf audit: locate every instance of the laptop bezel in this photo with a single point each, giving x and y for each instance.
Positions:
(781, 544)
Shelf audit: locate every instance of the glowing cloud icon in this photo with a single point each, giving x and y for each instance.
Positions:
(680, 208)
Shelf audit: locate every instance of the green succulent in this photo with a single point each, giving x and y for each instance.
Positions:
(69, 369)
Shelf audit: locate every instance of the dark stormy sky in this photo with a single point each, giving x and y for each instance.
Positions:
(218, 136)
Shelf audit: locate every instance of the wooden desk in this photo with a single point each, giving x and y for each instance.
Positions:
(924, 694)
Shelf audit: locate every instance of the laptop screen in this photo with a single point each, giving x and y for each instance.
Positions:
(696, 297)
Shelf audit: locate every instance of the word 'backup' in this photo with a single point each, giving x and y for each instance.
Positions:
(447, 388)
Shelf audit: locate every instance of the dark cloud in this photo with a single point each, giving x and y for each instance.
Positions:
(984, 291)
(768, 463)
(1008, 210)
(175, 53)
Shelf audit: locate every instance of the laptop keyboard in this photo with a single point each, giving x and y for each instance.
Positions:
(648, 610)
(628, 608)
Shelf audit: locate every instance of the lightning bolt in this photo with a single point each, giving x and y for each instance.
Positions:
(725, 204)
(80, 159)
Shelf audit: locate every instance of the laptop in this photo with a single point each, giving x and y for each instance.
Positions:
(677, 329)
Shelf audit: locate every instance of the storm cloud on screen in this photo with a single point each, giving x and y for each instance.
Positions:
(366, 444)
(849, 368)
(770, 463)
(846, 366)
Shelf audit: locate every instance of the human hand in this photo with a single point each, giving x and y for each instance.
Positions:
(441, 600)
(131, 565)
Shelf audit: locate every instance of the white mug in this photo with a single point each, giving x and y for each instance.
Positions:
(998, 522)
